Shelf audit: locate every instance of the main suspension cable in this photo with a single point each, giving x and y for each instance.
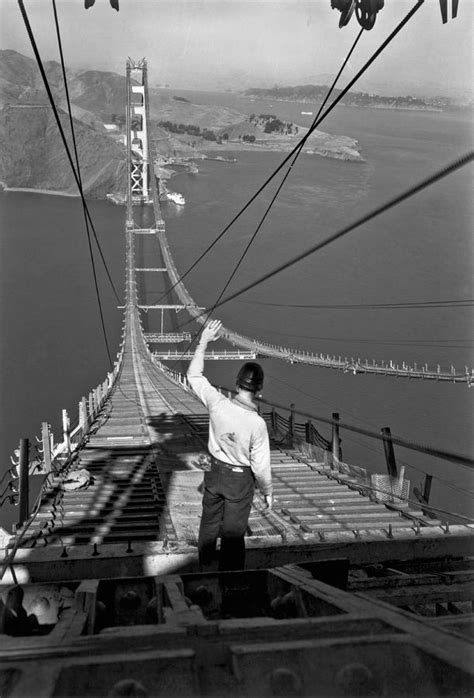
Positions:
(302, 141)
(87, 216)
(464, 303)
(61, 130)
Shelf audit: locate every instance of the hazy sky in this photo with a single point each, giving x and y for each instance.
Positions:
(206, 42)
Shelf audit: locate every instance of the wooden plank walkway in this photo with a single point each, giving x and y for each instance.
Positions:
(146, 452)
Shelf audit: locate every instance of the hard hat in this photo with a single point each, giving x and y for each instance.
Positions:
(250, 377)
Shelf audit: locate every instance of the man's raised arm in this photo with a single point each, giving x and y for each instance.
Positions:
(198, 382)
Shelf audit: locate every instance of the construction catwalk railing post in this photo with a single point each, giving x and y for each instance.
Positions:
(391, 487)
(54, 457)
(354, 365)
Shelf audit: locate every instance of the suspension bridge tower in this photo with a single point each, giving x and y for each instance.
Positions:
(141, 176)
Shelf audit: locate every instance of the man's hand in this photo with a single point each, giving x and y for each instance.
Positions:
(268, 501)
(211, 332)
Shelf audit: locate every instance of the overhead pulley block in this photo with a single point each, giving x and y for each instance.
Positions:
(346, 8)
(443, 4)
(113, 3)
(366, 12)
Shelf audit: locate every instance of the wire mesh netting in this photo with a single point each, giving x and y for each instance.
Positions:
(390, 489)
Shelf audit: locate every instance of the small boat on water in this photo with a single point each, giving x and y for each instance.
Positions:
(219, 158)
(309, 113)
(166, 195)
(176, 198)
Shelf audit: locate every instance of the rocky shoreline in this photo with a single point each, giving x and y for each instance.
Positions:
(374, 105)
(34, 160)
(337, 148)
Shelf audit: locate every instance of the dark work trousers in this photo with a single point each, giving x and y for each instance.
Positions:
(226, 504)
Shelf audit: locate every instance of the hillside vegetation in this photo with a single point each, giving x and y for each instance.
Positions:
(33, 155)
(354, 98)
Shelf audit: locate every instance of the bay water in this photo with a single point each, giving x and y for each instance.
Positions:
(53, 350)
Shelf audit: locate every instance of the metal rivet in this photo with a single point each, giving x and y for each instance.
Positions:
(285, 682)
(355, 680)
(130, 601)
(128, 687)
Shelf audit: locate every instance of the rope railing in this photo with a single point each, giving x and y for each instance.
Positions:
(389, 487)
(23, 529)
(7, 473)
(276, 419)
(351, 364)
(457, 458)
(56, 457)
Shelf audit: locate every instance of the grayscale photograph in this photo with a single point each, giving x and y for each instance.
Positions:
(236, 359)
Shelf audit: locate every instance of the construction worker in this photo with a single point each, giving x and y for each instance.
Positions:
(240, 454)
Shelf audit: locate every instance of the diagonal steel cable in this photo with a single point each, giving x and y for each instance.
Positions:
(292, 164)
(437, 176)
(462, 303)
(279, 188)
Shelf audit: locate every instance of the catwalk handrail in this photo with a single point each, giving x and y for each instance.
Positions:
(346, 364)
(304, 437)
(55, 457)
(459, 459)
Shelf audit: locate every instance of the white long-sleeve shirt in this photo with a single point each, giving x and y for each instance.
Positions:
(237, 433)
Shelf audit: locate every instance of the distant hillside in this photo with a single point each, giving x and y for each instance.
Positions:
(316, 93)
(32, 152)
(402, 84)
(33, 155)
(98, 92)
(94, 91)
(17, 72)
